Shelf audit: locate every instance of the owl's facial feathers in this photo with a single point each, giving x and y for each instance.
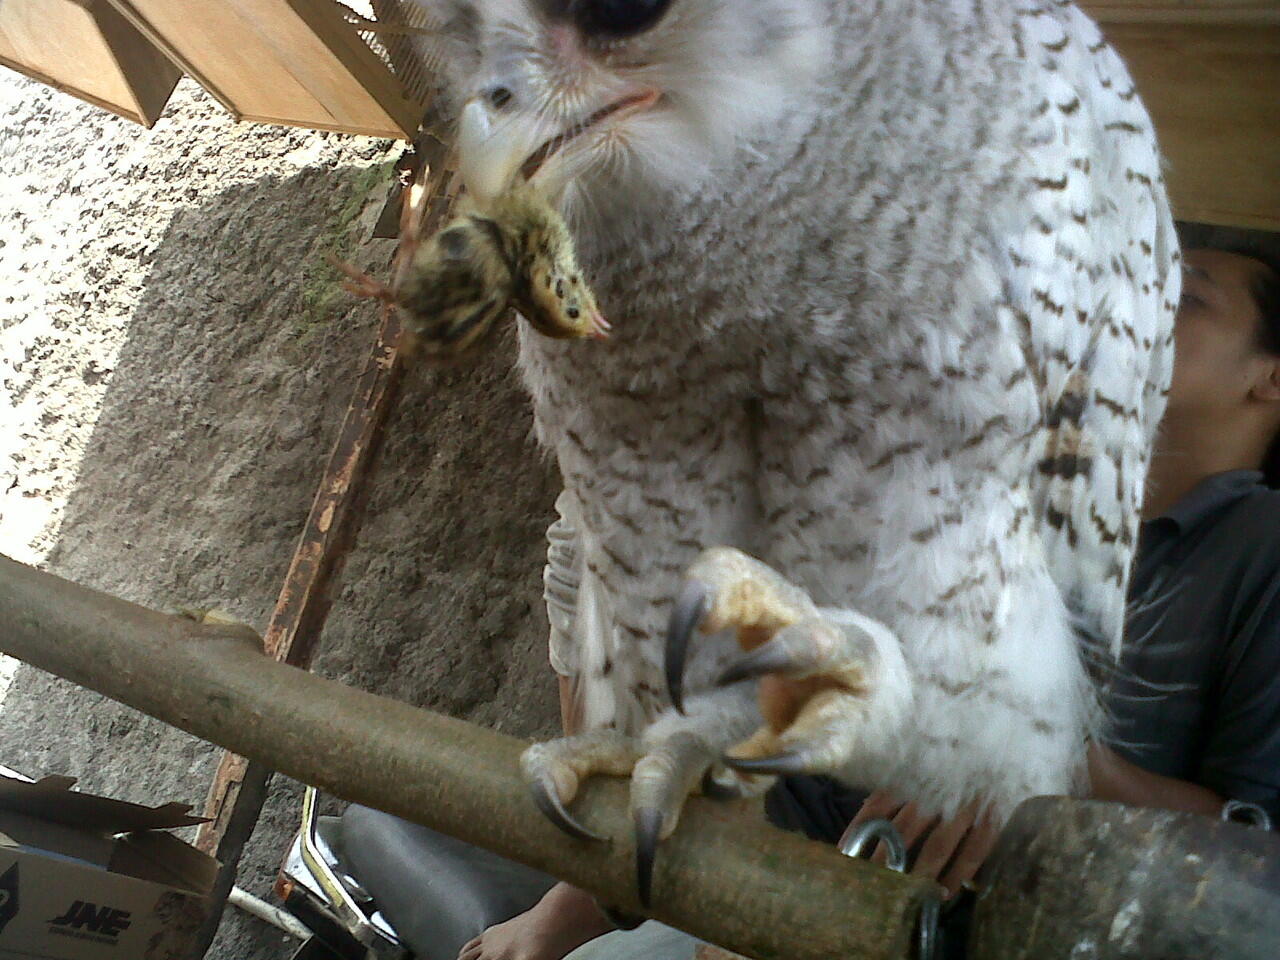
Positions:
(614, 112)
(610, 121)
(610, 19)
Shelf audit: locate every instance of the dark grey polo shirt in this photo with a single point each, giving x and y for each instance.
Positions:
(1198, 695)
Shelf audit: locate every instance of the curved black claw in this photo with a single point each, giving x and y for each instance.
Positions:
(783, 764)
(715, 789)
(687, 613)
(648, 822)
(548, 801)
(769, 657)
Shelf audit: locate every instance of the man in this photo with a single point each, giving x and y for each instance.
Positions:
(1202, 725)
(1195, 703)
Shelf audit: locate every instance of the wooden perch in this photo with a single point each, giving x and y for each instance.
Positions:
(725, 877)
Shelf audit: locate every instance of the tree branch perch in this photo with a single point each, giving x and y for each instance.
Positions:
(724, 877)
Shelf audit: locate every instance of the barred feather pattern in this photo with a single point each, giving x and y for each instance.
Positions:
(905, 336)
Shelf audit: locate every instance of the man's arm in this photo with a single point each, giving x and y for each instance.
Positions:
(1116, 779)
(952, 851)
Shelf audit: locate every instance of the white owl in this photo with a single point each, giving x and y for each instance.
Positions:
(892, 288)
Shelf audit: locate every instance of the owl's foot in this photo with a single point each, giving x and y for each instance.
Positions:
(680, 764)
(554, 770)
(817, 669)
(678, 756)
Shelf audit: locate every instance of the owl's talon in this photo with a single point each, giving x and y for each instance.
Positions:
(721, 789)
(780, 764)
(771, 657)
(554, 769)
(690, 607)
(546, 799)
(648, 823)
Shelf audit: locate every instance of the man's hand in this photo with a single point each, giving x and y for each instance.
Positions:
(949, 851)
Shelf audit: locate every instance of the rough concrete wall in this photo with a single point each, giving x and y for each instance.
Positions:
(174, 363)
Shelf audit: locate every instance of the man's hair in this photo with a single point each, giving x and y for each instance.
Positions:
(1265, 290)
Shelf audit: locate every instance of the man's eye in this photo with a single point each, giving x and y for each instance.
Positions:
(1190, 299)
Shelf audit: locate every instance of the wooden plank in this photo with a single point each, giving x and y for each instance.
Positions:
(150, 74)
(281, 61)
(239, 786)
(90, 51)
(1183, 11)
(344, 43)
(1212, 93)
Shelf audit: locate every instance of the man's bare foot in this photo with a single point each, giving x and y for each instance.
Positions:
(560, 922)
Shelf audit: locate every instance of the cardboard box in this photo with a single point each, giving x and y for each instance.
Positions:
(85, 877)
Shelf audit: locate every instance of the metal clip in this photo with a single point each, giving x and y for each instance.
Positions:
(856, 840)
(1249, 814)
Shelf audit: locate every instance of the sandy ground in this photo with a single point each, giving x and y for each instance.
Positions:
(175, 360)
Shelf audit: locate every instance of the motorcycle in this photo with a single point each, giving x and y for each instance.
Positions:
(370, 886)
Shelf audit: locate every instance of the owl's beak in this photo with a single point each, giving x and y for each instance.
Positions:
(498, 147)
(492, 149)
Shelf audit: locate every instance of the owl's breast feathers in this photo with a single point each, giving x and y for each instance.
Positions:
(959, 271)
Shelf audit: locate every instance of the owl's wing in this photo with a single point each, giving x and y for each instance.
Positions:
(1094, 284)
(561, 581)
(584, 644)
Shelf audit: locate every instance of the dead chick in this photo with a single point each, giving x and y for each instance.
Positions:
(512, 251)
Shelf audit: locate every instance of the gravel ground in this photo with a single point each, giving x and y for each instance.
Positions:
(175, 360)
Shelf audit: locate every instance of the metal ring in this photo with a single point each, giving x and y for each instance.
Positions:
(856, 840)
(930, 912)
(620, 918)
(1249, 814)
(853, 842)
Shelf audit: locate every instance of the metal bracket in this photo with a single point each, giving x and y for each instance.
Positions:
(856, 840)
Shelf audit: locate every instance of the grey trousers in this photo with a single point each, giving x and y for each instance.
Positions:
(439, 892)
(649, 941)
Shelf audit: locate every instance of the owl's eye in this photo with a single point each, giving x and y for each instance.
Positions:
(617, 18)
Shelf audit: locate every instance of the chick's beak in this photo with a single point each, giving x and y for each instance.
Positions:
(492, 147)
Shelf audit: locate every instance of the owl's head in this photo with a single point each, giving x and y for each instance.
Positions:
(611, 105)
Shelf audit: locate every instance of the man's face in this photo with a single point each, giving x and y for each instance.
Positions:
(1218, 359)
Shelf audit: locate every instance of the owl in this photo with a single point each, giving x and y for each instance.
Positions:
(853, 486)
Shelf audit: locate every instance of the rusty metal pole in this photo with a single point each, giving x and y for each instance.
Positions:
(724, 876)
(239, 788)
